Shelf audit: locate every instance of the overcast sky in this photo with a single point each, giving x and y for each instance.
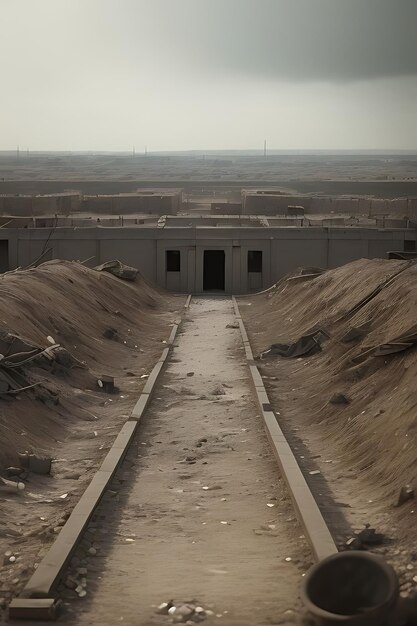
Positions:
(208, 74)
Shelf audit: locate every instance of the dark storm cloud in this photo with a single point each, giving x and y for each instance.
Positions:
(336, 40)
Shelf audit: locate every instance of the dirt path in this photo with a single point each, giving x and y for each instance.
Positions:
(165, 535)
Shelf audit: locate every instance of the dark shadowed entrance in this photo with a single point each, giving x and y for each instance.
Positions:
(213, 272)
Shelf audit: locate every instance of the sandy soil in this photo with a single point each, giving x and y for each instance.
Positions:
(187, 517)
(76, 306)
(365, 450)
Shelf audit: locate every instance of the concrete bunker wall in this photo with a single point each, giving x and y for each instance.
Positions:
(64, 203)
(156, 204)
(163, 203)
(277, 204)
(254, 258)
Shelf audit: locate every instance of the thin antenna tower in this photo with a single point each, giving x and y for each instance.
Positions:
(134, 151)
(146, 150)
(265, 148)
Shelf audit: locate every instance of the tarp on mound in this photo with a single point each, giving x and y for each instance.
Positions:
(119, 269)
(307, 344)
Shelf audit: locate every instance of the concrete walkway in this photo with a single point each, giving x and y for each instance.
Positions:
(200, 512)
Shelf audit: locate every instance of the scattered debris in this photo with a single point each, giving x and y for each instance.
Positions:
(314, 472)
(9, 557)
(10, 486)
(190, 374)
(184, 612)
(15, 471)
(233, 325)
(164, 607)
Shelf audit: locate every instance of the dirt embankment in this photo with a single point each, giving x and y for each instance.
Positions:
(107, 326)
(369, 438)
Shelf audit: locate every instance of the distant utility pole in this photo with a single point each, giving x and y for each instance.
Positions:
(265, 148)
(134, 151)
(17, 152)
(146, 150)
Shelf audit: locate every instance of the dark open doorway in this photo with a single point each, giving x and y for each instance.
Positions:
(213, 273)
(4, 255)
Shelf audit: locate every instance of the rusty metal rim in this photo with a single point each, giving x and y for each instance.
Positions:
(382, 608)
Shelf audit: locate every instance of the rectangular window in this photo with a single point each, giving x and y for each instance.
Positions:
(409, 245)
(173, 260)
(254, 260)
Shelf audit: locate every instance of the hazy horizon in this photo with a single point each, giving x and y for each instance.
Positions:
(208, 75)
(244, 152)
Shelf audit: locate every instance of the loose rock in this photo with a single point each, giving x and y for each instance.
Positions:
(339, 398)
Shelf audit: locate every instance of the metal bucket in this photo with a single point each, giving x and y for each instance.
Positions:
(351, 588)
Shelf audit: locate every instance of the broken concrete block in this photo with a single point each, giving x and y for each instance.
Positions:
(406, 493)
(39, 465)
(35, 463)
(106, 383)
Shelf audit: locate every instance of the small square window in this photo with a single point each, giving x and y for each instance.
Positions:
(254, 260)
(173, 260)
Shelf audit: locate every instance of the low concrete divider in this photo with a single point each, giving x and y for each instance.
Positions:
(37, 601)
(308, 512)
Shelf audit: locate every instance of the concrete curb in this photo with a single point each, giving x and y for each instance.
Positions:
(37, 601)
(308, 512)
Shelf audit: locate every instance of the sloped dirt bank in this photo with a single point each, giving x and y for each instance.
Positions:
(354, 403)
(107, 326)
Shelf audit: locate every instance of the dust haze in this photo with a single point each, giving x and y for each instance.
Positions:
(199, 74)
